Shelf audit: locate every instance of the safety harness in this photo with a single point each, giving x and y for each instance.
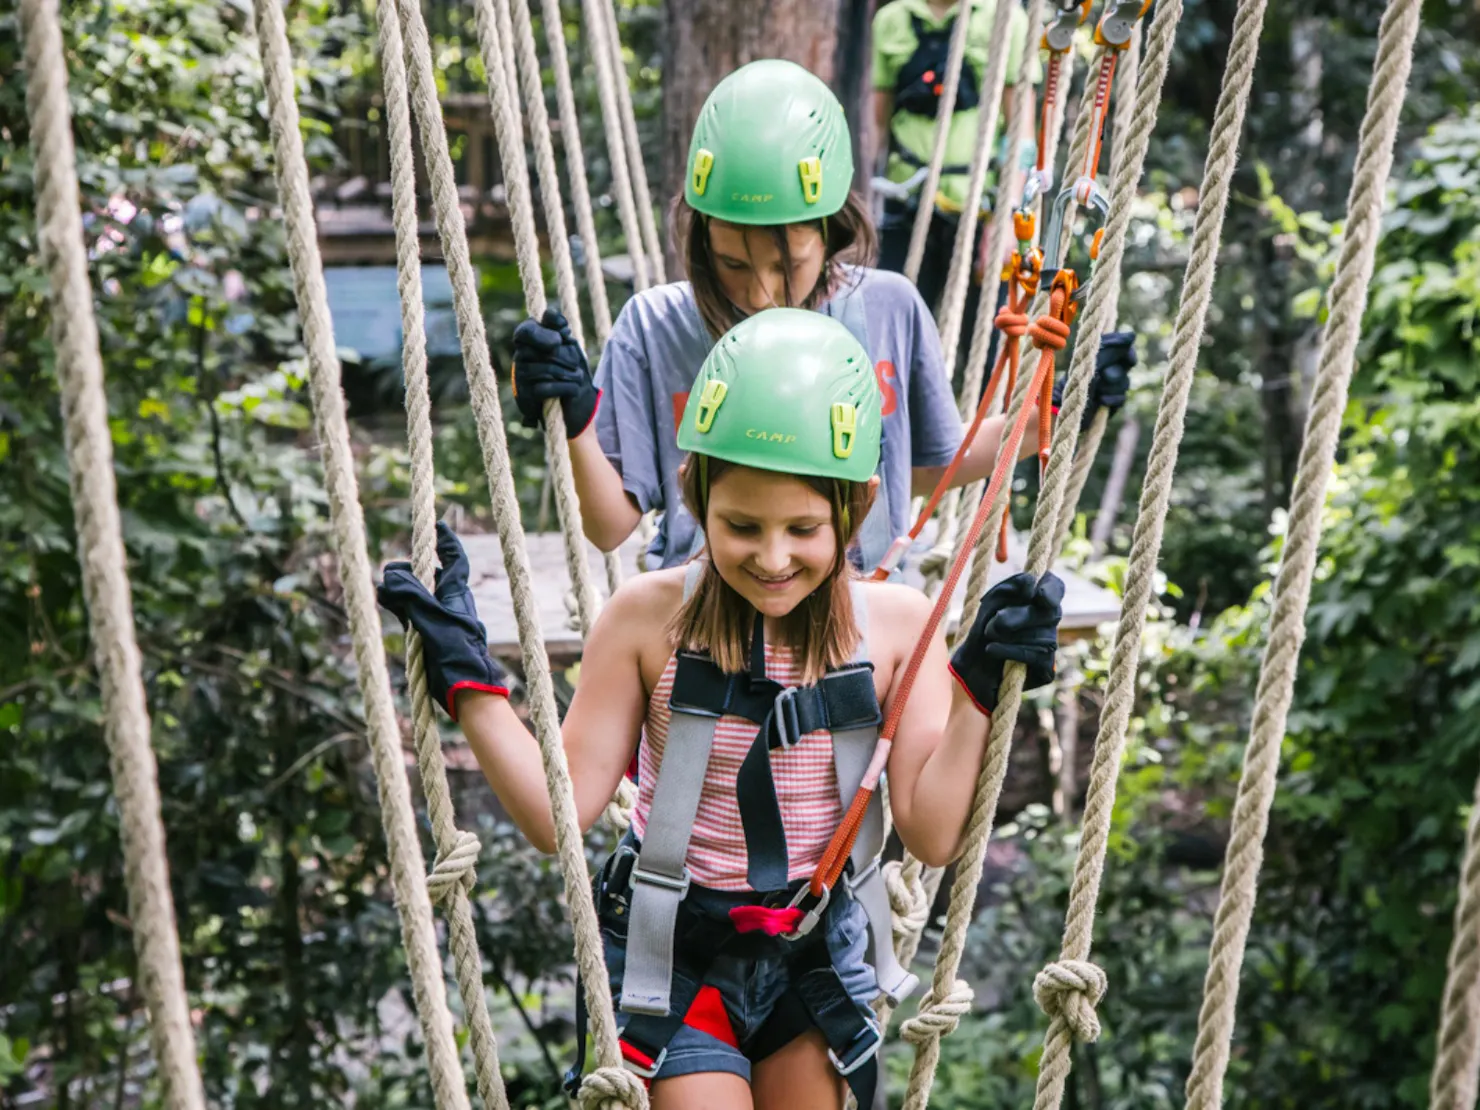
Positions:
(674, 930)
(921, 80)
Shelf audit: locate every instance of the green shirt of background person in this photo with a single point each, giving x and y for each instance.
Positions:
(911, 136)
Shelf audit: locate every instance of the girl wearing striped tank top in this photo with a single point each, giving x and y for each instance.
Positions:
(749, 686)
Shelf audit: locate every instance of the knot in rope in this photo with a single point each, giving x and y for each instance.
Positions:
(1014, 325)
(1049, 333)
(938, 1019)
(618, 812)
(1071, 990)
(612, 1089)
(911, 909)
(454, 868)
(572, 611)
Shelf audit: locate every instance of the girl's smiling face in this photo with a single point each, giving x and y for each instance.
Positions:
(770, 537)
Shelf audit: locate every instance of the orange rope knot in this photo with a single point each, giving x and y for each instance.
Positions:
(1014, 325)
(1049, 333)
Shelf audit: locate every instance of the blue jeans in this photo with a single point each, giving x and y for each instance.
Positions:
(750, 989)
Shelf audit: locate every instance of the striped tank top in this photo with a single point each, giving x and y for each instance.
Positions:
(806, 787)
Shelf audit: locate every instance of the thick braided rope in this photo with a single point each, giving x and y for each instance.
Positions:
(575, 167)
(955, 58)
(529, 74)
(408, 867)
(1453, 1085)
(527, 66)
(1009, 189)
(937, 1007)
(958, 277)
(495, 41)
(616, 139)
(1297, 561)
(981, 563)
(483, 392)
(636, 166)
(1126, 74)
(1197, 288)
(1040, 548)
(105, 582)
(950, 520)
(455, 869)
(1084, 463)
(933, 567)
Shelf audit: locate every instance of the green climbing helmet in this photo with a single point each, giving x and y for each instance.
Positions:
(771, 147)
(787, 390)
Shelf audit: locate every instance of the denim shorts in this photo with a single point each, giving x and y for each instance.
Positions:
(750, 989)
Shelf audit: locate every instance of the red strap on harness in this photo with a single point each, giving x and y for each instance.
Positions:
(765, 919)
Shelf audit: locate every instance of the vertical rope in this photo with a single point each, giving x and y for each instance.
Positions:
(955, 58)
(455, 870)
(100, 552)
(907, 881)
(565, 276)
(1453, 1085)
(1009, 190)
(958, 277)
(408, 878)
(616, 138)
(611, 1085)
(575, 168)
(976, 582)
(495, 39)
(1126, 74)
(1298, 559)
(964, 503)
(651, 244)
(1071, 1015)
(926, 1030)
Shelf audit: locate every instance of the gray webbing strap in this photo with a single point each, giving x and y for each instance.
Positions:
(660, 880)
(852, 751)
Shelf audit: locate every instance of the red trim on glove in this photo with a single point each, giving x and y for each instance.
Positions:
(572, 435)
(967, 690)
(501, 691)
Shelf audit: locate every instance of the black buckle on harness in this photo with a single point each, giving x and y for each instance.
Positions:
(865, 1047)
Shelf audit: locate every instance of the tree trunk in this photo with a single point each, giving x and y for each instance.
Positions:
(707, 39)
(853, 81)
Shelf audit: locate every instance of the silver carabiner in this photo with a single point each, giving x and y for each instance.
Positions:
(1086, 193)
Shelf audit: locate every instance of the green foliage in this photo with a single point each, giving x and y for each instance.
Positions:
(289, 935)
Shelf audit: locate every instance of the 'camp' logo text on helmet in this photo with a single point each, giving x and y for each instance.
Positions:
(769, 437)
(753, 198)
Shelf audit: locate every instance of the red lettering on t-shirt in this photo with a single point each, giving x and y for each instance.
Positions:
(884, 371)
(680, 400)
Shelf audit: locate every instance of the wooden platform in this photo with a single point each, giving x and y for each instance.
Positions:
(1086, 606)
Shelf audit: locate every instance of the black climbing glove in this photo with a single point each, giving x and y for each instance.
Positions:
(1111, 380)
(1018, 619)
(454, 642)
(549, 365)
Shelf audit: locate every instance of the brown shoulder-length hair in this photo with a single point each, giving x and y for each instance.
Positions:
(821, 629)
(848, 237)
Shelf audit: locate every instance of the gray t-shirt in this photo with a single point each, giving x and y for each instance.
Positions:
(658, 344)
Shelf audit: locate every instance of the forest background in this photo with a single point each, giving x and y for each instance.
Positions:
(289, 936)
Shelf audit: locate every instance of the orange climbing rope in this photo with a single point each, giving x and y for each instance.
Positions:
(1022, 272)
(1050, 334)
